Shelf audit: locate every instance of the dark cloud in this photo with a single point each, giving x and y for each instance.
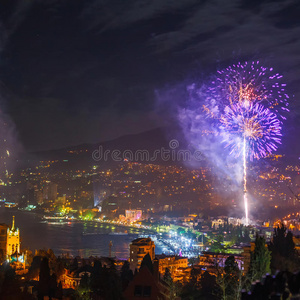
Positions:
(288, 17)
(107, 14)
(94, 65)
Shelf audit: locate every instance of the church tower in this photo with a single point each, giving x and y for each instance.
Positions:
(13, 240)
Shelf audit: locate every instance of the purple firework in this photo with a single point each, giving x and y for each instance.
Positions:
(251, 82)
(253, 123)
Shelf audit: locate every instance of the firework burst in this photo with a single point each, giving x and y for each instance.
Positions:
(258, 125)
(247, 103)
(250, 82)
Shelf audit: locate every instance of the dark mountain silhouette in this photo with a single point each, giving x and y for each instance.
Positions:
(120, 148)
(123, 147)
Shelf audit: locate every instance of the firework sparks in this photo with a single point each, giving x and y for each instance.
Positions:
(250, 82)
(258, 126)
(246, 101)
(251, 130)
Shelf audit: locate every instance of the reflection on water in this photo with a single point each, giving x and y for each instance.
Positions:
(77, 238)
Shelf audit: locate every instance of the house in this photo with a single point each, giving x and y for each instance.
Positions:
(146, 285)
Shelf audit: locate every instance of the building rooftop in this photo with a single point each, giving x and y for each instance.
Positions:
(141, 241)
(163, 256)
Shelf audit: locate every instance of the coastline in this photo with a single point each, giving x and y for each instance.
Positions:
(68, 238)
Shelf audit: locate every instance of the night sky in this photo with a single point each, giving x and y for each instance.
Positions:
(86, 71)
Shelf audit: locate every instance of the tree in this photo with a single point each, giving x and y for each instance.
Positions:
(10, 289)
(282, 242)
(96, 277)
(229, 281)
(290, 250)
(172, 285)
(283, 250)
(34, 268)
(126, 274)
(59, 267)
(231, 266)
(208, 284)
(52, 286)
(83, 290)
(180, 231)
(2, 256)
(191, 289)
(50, 255)
(44, 279)
(113, 287)
(105, 282)
(260, 260)
(167, 276)
(147, 262)
(59, 291)
(217, 245)
(74, 265)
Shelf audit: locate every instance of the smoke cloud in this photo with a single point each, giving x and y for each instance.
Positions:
(182, 105)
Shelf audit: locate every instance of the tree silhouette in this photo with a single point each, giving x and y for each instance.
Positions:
(191, 289)
(44, 279)
(52, 286)
(283, 250)
(10, 289)
(167, 276)
(74, 265)
(231, 266)
(34, 268)
(260, 260)
(126, 274)
(59, 291)
(282, 242)
(96, 277)
(229, 281)
(84, 287)
(208, 284)
(147, 262)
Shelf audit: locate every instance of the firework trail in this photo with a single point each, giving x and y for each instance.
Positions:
(5, 154)
(9, 143)
(245, 181)
(247, 102)
(250, 130)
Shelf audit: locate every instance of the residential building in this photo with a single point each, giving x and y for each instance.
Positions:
(138, 249)
(147, 285)
(172, 262)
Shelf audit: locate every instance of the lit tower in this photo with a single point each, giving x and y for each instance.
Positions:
(13, 240)
(110, 246)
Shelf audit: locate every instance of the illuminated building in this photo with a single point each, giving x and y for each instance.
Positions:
(13, 240)
(138, 249)
(49, 191)
(133, 215)
(172, 262)
(296, 240)
(234, 221)
(39, 196)
(216, 223)
(61, 200)
(246, 256)
(10, 245)
(72, 279)
(209, 260)
(14, 256)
